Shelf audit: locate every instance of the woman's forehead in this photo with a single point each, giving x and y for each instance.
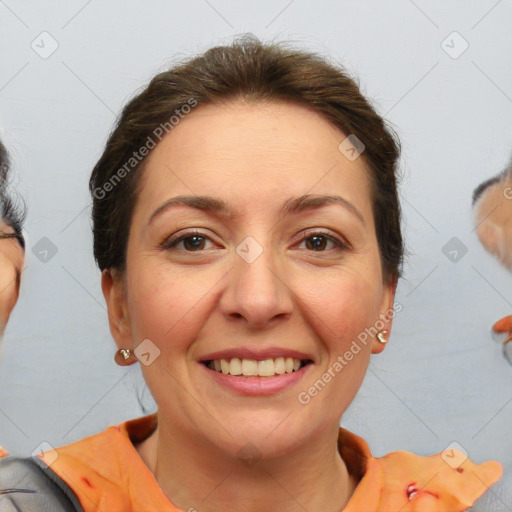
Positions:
(269, 133)
(249, 149)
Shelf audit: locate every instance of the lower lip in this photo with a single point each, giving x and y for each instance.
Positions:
(256, 386)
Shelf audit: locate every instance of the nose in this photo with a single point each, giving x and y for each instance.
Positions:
(257, 290)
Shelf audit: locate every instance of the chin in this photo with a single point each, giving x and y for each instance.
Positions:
(263, 438)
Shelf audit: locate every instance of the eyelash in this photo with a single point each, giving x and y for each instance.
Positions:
(172, 242)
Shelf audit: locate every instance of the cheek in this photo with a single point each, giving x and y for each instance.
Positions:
(341, 305)
(163, 306)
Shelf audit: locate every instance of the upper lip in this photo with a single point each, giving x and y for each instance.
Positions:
(258, 355)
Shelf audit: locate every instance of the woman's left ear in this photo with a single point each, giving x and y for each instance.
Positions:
(114, 291)
(384, 322)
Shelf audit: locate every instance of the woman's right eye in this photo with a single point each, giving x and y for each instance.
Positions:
(193, 241)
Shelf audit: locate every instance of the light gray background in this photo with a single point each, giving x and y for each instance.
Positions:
(441, 379)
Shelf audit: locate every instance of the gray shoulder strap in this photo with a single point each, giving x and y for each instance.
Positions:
(28, 485)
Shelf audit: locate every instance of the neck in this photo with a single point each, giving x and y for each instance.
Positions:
(193, 474)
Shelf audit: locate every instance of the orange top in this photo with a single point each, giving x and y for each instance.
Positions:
(107, 474)
(3, 453)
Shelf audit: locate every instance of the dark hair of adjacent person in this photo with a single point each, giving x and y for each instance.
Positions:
(250, 70)
(11, 212)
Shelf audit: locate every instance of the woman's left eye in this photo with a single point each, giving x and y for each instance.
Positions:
(319, 240)
(195, 241)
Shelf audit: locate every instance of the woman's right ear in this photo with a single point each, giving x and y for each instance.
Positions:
(114, 291)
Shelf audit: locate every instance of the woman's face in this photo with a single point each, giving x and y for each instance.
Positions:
(253, 281)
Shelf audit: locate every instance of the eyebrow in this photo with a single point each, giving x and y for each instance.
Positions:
(293, 205)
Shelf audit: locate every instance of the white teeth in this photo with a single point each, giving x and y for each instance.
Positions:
(235, 366)
(279, 365)
(266, 367)
(251, 367)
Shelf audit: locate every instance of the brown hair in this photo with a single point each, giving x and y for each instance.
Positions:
(251, 70)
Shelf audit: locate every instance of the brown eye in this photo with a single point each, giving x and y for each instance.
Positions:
(192, 242)
(318, 241)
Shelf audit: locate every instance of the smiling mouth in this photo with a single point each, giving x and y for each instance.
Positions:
(254, 368)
